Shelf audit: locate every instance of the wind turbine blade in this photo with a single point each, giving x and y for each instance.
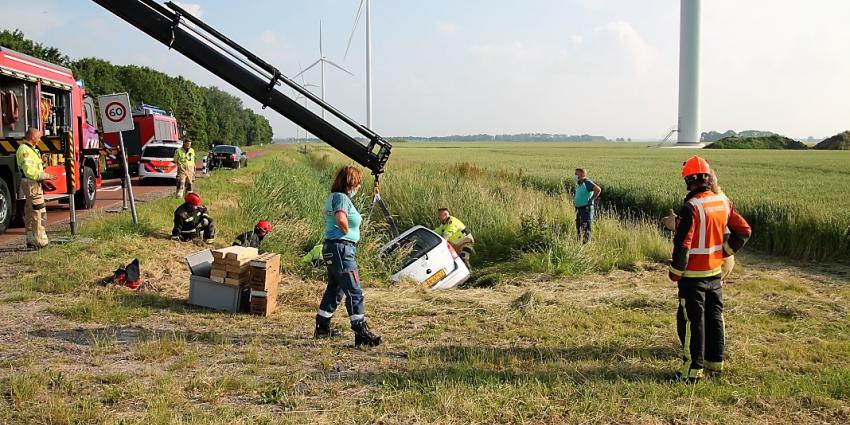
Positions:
(353, 29)
(307, 68)
(321, 53)
(339, 67)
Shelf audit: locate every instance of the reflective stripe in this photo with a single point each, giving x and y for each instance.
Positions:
(325, 314)
(38, 207)
(357, 317)
(714, 366)
(728, 249)
(189, 231)
(686, 343)
(675, 271)
(709, 250)
(703, 273)
(189, 219)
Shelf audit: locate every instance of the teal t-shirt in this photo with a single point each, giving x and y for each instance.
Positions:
(584, 191)
(341, 202)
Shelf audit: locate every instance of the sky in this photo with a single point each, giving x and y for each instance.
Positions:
(441, 67)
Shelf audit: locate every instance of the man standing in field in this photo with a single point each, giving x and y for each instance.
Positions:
(185, 160)
(586, 195)
(35, 212)
(698, 252)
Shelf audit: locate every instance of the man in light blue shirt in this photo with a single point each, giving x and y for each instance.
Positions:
(584, 200)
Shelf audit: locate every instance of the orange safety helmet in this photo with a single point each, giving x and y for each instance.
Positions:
(695, 165)
(264, 225)
(192, 199)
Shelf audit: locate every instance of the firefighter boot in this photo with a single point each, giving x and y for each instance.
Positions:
(324, 329)
(363, 336)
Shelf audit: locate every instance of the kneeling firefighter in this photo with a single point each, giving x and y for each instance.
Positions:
(191, 220)
(699, 247)
(254, 238)
(342, 232)
(454, 231)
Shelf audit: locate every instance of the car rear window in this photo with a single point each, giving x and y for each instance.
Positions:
(419, 242)
(159, 152)
(224, 149)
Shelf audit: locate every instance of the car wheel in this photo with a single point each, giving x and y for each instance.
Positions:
(87, 194)
(6, 203)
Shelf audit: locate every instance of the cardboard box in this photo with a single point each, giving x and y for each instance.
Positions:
(205, 292)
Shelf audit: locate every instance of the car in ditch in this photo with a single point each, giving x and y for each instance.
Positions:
(427, 258)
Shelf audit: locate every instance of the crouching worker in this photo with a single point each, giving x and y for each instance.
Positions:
(314, 257)
(454, 231)
(342, 232)
(191, 221)
(255, 237)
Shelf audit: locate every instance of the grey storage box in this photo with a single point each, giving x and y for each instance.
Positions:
(204, 292)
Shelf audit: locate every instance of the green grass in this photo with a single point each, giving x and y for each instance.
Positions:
(553, 332)
(797, 202)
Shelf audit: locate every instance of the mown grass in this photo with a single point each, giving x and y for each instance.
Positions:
(796, 201)
(595, 345)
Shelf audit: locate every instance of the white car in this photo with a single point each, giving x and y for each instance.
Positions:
(157, 160)
(432, 261)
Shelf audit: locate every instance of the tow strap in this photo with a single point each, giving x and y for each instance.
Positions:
(377, 200)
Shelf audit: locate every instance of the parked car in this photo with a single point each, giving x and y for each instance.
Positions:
(157, 160)
(428, 259)
(227, 156)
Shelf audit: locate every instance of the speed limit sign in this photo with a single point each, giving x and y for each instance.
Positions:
(115, 112)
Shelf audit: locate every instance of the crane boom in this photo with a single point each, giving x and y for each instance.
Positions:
(188, 35)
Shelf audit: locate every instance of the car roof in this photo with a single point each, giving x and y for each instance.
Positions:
(168, 144)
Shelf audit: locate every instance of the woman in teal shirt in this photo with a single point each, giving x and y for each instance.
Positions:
(342, 232)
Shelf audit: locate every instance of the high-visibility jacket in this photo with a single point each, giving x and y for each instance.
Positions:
(699, 246)
(453, 230)
(185, 159)
(29, 161)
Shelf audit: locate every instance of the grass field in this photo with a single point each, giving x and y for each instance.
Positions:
(554, 332)
(798, 202)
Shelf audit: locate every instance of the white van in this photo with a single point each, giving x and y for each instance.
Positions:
(432, 261)
(157, 160)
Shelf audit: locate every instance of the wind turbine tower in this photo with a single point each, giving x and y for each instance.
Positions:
(689, 87)
(368, 9)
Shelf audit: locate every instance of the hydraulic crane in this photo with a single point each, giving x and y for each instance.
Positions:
(183, 32)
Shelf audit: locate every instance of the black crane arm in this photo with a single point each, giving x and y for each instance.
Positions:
(183, 32)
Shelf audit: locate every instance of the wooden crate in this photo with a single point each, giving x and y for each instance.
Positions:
(263, 303)
(265, 272)
(232, 265)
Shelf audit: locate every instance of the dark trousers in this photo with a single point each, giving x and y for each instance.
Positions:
(343, 282)
(700, 326)
(584, 222)
(205, 229)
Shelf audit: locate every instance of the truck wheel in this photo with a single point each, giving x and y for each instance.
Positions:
(6, 203)
(87, 194)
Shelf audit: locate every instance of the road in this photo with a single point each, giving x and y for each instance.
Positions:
(108, 199)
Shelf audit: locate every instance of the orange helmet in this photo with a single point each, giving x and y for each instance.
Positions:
(264, 225)
(192, 199)
(695, 165)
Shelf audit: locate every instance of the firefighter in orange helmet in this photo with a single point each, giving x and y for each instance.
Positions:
(698, 252)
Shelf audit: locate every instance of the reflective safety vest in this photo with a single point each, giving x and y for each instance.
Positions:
(699, 246)
(453, 230)
(185, 159)
(29, 162)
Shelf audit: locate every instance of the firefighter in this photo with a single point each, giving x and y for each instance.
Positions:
(698, 252)
(454, 231)
(191, 220)
(255, 237)
(342, 232)
(313, 257)
(184, 157)
(35, 211)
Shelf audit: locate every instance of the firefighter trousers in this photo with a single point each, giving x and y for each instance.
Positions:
(185, 181)
(35, 213)
(700, 326)
(343, 282)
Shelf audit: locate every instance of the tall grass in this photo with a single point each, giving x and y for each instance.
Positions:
(515, 225)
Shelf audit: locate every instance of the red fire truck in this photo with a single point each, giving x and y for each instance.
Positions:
(151, 124)
(35, 93)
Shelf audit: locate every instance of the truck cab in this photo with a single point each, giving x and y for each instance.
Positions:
(39, 94)
(152, 124)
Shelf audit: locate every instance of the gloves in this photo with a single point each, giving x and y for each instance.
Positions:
(669, 222)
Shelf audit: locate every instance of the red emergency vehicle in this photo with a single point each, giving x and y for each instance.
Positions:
(151, 124)
(35, 93)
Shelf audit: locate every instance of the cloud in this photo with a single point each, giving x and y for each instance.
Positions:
(447, 28)
(268, 37)
(193, 8)
(40, 19)
(613, 46)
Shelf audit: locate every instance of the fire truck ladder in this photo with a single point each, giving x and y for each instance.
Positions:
(179, 30)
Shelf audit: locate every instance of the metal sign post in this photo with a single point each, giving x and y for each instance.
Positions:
(115, 114)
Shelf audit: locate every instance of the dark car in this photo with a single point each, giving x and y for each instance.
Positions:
(227, 156)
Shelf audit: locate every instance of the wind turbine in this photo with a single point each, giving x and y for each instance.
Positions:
(299, 97)
(321, 62)
(368, 8)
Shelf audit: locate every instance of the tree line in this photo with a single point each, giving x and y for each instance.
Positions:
(206, 115)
